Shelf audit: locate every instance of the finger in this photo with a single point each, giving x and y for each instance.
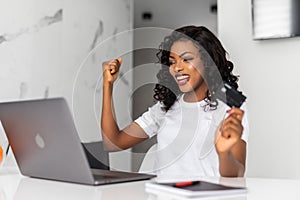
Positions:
(237, 112)
(231, 130)
(229, 133)
(107, 72)
(113, 67)
(237, 129)
(232, 122)
(218, 131)
(107, 66)
(232, 119)
(116, 63)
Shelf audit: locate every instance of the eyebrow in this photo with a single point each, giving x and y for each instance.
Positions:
(182, 54)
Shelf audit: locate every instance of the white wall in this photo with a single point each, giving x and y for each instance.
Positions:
(175, 13)
(269, 76)
(45, 52)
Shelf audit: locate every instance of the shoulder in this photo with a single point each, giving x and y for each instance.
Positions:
(158, 108)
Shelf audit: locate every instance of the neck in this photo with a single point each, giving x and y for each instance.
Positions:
(196, 96)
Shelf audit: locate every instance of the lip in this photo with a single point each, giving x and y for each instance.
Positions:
(182, 79)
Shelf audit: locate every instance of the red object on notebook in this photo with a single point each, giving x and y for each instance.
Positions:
(186, 183)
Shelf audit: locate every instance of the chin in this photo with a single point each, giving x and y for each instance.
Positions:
(185, 89)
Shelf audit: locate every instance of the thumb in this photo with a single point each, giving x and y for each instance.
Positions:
(120, 60)
(218, 132)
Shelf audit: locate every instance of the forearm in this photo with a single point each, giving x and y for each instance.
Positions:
(110, 129)
(229, 166)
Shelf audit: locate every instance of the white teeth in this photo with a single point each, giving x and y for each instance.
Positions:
(179, 78)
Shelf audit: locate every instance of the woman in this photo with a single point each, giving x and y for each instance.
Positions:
(187, 117)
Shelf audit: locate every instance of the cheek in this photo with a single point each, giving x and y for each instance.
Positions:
(172, 73)
(197, 67)
(195, 70)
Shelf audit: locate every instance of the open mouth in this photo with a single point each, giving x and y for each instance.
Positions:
(182, 79)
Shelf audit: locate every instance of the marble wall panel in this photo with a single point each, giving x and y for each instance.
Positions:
(55, 49)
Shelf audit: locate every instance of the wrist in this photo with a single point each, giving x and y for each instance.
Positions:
(108, 85)
(224, 154)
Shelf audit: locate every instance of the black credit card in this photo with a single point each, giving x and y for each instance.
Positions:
(231, 96)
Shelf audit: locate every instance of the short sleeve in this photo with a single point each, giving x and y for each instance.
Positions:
(152, 119)
(245, 123)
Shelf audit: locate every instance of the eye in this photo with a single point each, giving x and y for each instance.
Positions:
(187, 59)
(171, 62)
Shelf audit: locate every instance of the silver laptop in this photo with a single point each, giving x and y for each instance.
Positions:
(46, 145)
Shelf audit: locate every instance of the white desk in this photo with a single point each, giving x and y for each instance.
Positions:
(15, 186)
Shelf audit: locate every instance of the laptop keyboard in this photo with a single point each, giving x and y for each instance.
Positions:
(103, 177)
(107, 177)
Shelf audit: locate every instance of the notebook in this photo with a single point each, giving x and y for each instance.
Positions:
(46, 145)
(192, 189)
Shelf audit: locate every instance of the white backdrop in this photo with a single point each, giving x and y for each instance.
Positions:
(269, 73)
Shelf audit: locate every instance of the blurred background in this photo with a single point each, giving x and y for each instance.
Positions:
(55, 48)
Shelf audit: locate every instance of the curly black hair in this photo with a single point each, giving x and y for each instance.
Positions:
(213, 56)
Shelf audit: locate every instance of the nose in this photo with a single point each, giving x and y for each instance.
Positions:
(177, 67)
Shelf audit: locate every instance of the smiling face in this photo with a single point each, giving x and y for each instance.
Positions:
(186, 67)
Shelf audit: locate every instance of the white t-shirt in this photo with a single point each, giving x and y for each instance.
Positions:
(186, 137)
